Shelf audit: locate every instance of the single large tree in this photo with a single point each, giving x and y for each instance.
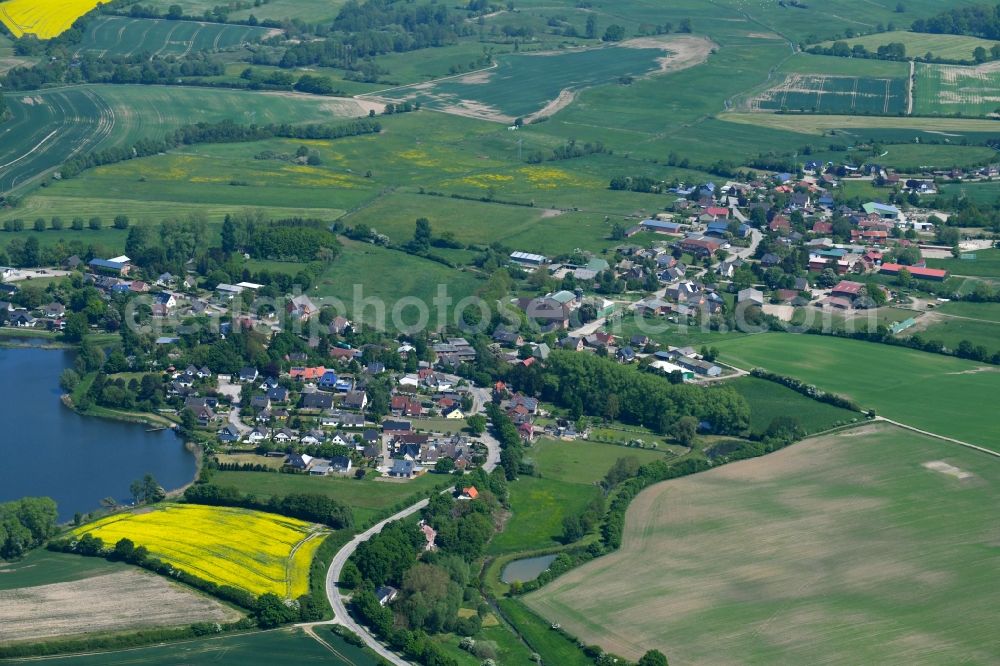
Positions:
(653, 658)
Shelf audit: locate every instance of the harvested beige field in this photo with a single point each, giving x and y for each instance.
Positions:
(115, 602)
(683, 51)
(876, 545)
(810, 123)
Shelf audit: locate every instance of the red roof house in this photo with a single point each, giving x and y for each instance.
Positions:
(847, 289)
(916, 271)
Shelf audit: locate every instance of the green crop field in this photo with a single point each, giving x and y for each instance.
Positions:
(951, 89)
(932, 392)
(310, 11)
(808, 123)
(769, 400)
(43, 567)
(918, 44)
(834, 94)
(47, 128)
(50, 126)
(523, 84)
(367, 497)
(255, 649)
(807, 63)
(874, 545)
(985, 264)
(120, 36)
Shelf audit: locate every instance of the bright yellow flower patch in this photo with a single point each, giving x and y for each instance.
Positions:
(255, 551)
(43, 18)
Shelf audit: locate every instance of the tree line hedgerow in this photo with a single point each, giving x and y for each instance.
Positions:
(310, 507)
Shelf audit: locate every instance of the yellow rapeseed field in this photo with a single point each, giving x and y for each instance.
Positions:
(43, 18)
(255, 551)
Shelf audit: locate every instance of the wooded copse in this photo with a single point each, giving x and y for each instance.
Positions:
(431, 586)
(589, 384)
(26, 523)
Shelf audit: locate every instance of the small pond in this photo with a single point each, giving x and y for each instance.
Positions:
(527, 569)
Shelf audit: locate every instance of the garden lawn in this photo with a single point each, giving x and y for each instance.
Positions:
(940, 394)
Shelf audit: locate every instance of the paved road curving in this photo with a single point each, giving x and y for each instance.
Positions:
(340, 614)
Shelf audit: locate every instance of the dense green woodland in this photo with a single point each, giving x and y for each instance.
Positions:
(589, 384)
(980, 21)
(434, 585)
(25, 524)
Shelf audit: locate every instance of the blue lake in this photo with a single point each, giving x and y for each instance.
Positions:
(47, 449)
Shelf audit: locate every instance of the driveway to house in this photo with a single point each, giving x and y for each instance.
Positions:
(231, 390)
(755, 237)
(481, 396)
(589, 329)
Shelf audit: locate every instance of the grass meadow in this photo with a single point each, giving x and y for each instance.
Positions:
(769, 400)
(983, 311)
(845, 548)
(538, 507)
(809, 123)
(940, 394)
(567, 479)
(951, 331)
(983, 192)
(986, 264)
